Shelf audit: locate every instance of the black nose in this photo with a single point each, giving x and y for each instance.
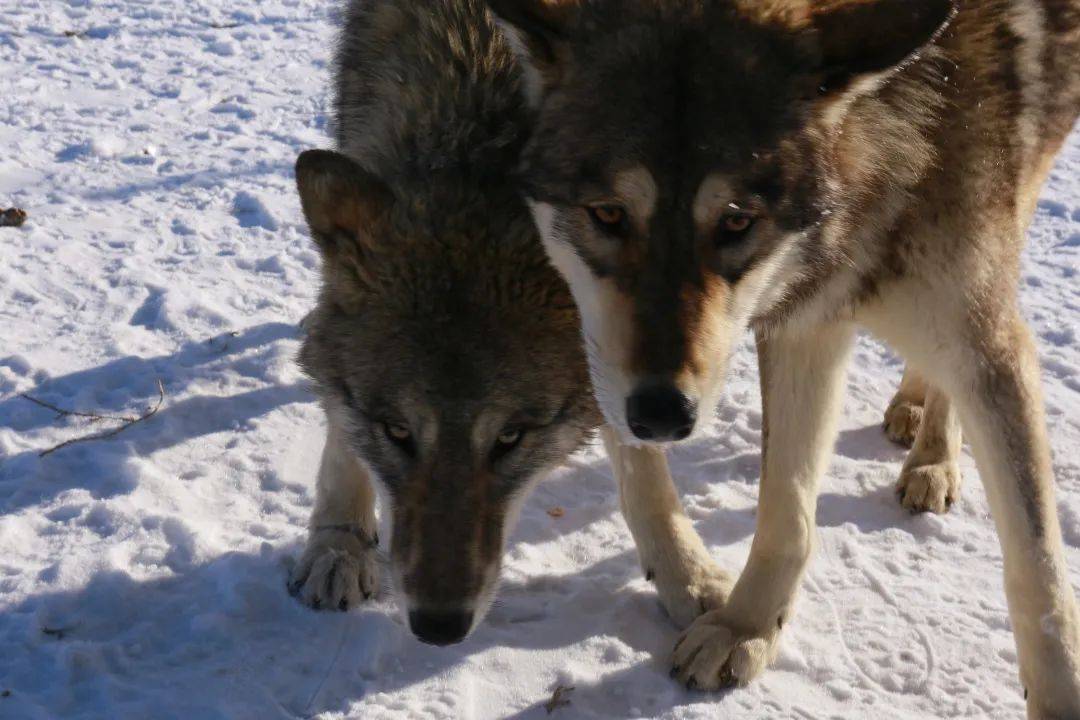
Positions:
(440, 628)
(660, 412)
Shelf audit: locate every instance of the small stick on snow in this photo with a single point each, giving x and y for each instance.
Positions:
(57, 633)
(558, 698)
(61, 412)
(126, 422)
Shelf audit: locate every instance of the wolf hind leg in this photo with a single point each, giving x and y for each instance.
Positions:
(905, 412)
(930, 478)
(672, 554)
(339, 567)
(1003, 417)
(977, 348)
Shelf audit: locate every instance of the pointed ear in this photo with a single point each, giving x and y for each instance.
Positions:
(863, 37)
(341, 200)
(537, 30)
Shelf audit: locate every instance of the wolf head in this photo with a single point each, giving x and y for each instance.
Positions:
(449, 350)
(681, 170)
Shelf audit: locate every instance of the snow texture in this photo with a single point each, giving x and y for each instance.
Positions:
(144, 576)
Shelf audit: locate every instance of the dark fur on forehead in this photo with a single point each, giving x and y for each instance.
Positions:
(446, 290)
(693, 87)
(682, 88)
(457, 315)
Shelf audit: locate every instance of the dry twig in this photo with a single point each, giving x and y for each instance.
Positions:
(61, 412)
(558, 698)
(57, 633)
(125, 421)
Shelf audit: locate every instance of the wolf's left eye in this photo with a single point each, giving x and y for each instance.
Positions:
(505, 442)
(610, 219)
(400, 436)
(734, 226)
(509, 437)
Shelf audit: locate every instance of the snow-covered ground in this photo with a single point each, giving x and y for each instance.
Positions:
(144, 576)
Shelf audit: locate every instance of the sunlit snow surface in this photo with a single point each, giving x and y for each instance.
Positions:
(143, 576)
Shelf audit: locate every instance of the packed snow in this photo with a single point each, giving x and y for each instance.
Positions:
(143, 575)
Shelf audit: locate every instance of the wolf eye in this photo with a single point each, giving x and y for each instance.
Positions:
(400, 436)
(610, 219)
(505, 442)
(734, 225)
(398, 432)
(509, 437)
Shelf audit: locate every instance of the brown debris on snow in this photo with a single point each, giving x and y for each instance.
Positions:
(12, 217)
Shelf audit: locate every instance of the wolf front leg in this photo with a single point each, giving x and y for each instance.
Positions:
(971, 342)
(801, 379)
(672, 555)
(339, 567)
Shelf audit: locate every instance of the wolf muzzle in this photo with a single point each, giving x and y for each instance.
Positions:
(660, 412)
(440, 628)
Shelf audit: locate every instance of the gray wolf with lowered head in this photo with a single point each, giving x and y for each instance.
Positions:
(800, 168)
(445, 348)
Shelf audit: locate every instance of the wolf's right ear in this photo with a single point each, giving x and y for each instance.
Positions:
(341, 200)
(861, 38)
(536, 30)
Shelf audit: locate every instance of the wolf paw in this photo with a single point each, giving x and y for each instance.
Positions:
(687, 591)
(929, 488)
(712, 655)
(338, 570)
(902, 419)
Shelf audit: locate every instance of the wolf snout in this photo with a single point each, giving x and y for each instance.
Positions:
(440, 627)
(660, 412)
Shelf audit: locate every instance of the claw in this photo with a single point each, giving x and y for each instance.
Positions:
(674, 671)
(343, 605)
(691, 684)
(649, 575)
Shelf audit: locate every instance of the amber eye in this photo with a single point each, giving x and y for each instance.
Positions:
(609, 218)
(400, 436)
(737, 223)
(398, 433)
(733, 226)
(505, 442)
(509, 437)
